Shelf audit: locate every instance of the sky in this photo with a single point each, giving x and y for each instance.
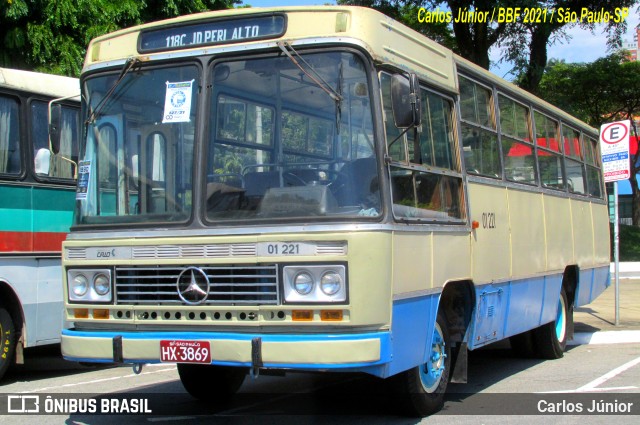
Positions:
(582, 46)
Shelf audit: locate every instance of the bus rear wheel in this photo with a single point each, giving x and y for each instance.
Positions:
(211, 383)
(420, 391)
(550, 340)
(8, 336)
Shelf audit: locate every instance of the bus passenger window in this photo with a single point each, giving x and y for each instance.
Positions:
(517, 146)
(549, 152)
(479, 137)
(592, 161)
(573, 154)
(9, 137)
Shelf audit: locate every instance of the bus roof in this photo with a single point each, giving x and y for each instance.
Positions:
(387, 40)
(36, 82)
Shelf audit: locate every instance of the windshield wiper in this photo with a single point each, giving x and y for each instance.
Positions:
(128, 66)
(320, 82)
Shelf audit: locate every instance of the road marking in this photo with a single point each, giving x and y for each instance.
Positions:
(604, 378)
(606, 337)
(95, 381)
(593, 390)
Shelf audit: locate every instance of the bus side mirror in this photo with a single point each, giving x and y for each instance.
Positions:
(55, 123)
(405, 100)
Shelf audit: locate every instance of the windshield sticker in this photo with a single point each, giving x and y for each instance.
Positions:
(177, 102)
(84, 172)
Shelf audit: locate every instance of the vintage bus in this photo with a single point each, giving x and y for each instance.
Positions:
(37, 191)
(322, 189)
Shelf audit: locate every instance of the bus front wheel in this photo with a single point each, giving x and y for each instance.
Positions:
(211, 383)
(550, 340)
(420, 391)
(8, 336)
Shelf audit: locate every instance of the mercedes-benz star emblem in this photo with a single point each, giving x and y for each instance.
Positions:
(193, 286)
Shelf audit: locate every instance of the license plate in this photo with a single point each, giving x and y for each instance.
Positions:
(185, 351)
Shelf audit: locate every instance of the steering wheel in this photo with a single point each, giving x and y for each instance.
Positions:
(293, 180)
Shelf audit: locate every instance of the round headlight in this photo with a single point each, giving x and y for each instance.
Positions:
(101, 284)
(303, 283)
(330, 283)
(79, 285)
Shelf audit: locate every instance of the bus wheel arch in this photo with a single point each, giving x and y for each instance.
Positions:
(420, 390)
(11, 325)
(551, 339)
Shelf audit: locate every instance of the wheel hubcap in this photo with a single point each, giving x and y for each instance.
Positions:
(561, 320)
(431, 372)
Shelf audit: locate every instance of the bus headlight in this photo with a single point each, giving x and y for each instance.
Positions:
(331, 282)
(315, 284)
(101, 284)
(89, 285)
(79, 285)
(303, 283)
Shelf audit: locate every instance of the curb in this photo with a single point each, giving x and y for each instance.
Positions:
(605, 337)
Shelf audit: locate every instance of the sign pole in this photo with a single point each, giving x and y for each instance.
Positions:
(616, 250)
(614, 150)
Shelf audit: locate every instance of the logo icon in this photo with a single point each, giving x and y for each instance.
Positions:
(178, 99)
(193, 286)
(23, 404)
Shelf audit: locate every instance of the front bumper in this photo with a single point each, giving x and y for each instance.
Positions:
(289, 351)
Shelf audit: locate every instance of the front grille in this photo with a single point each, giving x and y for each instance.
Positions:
(229, 285)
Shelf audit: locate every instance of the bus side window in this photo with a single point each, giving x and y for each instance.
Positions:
(479, 136)
(516, 140)
(419, 189)
(63, 164)
(9, 137)
(549, 152)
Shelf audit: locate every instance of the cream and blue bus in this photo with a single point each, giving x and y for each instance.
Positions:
(37, 192)
(322, 189)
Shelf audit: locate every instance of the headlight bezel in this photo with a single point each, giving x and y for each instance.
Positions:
(92, 294)
(316, 295)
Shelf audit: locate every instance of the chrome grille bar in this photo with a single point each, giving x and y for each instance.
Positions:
(229, 285)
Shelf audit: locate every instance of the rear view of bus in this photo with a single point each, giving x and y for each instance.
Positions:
(266, 189)
(36, 204)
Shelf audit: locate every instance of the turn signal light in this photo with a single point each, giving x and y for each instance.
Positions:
(81, 313)
(331, 315)
(101, 314)
(302, 315)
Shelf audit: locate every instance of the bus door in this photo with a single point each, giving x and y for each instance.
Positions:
(156, 164)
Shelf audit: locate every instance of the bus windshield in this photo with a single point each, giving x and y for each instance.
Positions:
(291, 137)
(138, 155)
(287, 136)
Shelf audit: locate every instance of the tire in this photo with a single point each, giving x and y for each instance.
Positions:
(420, 391)
(550, 340)
(8, 337)
(211, 383)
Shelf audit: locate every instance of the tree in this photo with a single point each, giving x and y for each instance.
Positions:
(52, 35)
(602, 91)
(525, 44)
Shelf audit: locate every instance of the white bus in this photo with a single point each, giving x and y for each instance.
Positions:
(322, 189)
(36, 207)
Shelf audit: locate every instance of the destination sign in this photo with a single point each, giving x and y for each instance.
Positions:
(212, 32)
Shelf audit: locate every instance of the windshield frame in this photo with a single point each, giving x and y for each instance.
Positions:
(197, 217)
